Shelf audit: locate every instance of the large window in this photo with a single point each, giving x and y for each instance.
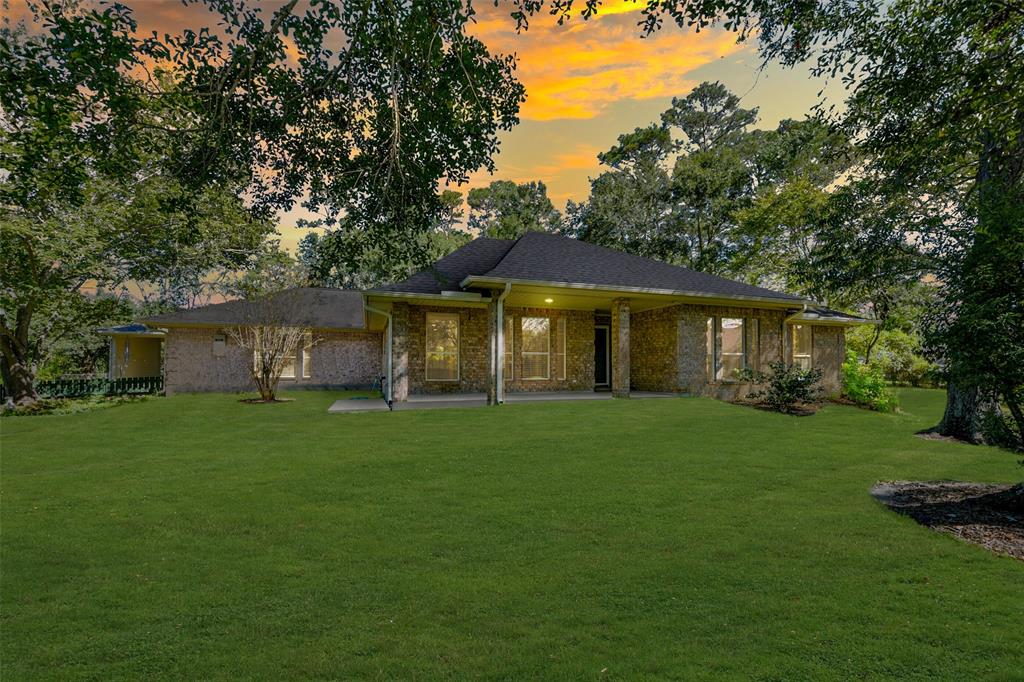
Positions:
(288, 369)
(732, 346)
(536, 341)
(509, 348)
(802, 345)
(307, 357)
(442, 347)
(559, 358)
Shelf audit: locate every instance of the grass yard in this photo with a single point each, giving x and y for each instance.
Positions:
(198, 537)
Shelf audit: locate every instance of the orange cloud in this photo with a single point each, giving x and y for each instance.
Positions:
(577, 71)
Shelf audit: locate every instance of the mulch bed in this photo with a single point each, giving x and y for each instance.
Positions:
(987, 514)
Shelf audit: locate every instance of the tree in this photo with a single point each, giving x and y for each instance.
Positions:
(936, 103)
(340, 258)
(507, 210)
(365, 132)
(628, 206)
(710, 116)
(702, 190)
(124, 233)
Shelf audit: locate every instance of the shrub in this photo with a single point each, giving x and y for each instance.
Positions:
(785, 388)
(865, 385)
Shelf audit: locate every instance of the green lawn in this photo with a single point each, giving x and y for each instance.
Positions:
(198, 537)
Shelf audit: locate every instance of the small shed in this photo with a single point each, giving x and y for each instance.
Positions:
(135, 351)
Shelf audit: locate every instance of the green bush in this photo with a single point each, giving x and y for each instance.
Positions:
(865, 385)
(785, 388)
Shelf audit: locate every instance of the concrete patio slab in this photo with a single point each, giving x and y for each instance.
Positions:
(555, 395)
(358, 405)
(440, 401)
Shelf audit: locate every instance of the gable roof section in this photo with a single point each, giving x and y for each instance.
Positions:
(822, 315)
(301, 307)
(547, 257)
(542, 257)
(477, 257)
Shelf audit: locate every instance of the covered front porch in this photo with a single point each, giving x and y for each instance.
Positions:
(519, 343)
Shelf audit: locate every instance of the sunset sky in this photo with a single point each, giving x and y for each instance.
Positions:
(586, 83)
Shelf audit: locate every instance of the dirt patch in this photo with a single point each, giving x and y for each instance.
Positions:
(987, 514)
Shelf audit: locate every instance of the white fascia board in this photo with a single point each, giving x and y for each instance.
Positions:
(702, 296)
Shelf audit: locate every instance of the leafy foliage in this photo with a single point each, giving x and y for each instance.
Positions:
(703, 190)
(785, 388)
(506, 210)
(126, 157)
(865, 385)
(341, 258)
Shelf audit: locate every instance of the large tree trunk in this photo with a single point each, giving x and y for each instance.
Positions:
(964, 409)
(19, 381)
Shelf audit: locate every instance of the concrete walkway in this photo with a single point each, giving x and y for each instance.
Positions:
(433, 402)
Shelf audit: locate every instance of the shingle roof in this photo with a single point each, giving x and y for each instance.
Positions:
(133, 328)
(300, 307)
(828, 315)
(475, 258)
(541, 256)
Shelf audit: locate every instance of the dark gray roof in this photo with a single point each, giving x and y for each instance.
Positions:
(134, 328)
(301, 307)
(828, 314)
(546, 257)
(475, 258)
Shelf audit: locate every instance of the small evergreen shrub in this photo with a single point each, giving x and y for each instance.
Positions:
(785, 389)
(865, 385)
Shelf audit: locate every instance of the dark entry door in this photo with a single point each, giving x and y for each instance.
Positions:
(601, 359)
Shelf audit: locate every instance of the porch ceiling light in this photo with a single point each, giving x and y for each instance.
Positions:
(549, 300)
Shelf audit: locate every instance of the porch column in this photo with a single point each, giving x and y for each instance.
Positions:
(400, 349)
(492, 350)
(620, 348)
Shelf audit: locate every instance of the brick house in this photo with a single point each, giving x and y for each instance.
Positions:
(538, 313)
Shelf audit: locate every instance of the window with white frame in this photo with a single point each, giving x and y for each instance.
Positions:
(712, 349)
(307, 357)
(510, 327)
(802, 341)
(442, 346)
(559, 358)
(287, 368)
(732, 346)
(536, 343)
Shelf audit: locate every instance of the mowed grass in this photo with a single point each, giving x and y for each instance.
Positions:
(197, 537)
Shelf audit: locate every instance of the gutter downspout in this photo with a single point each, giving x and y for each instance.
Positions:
(499, 352)
(785, 326)
(388, 353)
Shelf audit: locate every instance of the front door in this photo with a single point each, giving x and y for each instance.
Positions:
(602, 360)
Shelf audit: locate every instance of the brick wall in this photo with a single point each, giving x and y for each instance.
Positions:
(669, 348)
(579, 351)
(473, 345)
(828, 350)
(337, 359)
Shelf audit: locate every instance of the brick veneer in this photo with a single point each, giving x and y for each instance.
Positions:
(668, 350)
(828, 350)
(473, 345)
(579, 351)
(337, 358)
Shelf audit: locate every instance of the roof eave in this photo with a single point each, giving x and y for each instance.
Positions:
(474, 280)
(834, 321)
(454, 296)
